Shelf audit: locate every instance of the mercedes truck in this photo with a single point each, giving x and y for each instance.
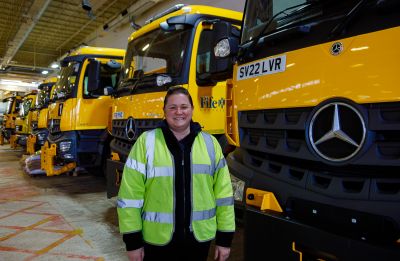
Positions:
(173, 48)
(315, 116)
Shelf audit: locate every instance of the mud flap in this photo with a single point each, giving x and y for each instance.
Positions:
(114, 176)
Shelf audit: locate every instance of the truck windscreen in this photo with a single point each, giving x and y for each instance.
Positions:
(68, 79)
(157, 52)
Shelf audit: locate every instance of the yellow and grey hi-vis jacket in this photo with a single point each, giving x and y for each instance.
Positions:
(146, 196)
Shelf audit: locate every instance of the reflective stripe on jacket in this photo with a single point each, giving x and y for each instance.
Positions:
(146, 196)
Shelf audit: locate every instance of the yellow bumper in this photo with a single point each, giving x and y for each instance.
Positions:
(13, 141)
(47, 161)
(30, 144)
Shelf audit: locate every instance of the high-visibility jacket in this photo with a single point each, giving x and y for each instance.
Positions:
(146, 196)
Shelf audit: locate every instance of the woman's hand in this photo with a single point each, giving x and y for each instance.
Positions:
(136, 255)
(221, 253)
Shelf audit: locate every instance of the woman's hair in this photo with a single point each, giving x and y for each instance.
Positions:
(177, 90)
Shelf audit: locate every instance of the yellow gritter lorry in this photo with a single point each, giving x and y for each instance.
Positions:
(78, 117)
(39, 116)
(23, 121)
(10, 114)
(315, 114)
(173, 48)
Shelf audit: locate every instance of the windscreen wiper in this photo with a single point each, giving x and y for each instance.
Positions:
(340, 27)
(128, 82)
(127, 85)
(297, 8)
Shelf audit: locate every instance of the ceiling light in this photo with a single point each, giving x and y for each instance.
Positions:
(54, 65)
(45, 72)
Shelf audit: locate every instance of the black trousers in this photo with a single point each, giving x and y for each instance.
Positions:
(188, 249)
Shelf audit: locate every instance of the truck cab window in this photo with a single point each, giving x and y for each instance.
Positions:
(108, 78)
(204, 54)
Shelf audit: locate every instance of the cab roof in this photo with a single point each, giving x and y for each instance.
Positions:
(90, 50)
(189, 9)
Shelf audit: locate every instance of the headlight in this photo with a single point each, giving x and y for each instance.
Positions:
(41, 136)
(238, 188)
(65, 146)
(68, 156)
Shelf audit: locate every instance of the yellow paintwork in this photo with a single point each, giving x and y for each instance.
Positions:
(40, 118)
(82, 114)
(50, 79)
(231, 125)
(98, 51)
(48, 152)
(8, 119)
(35, 116)
(26, 121)
(115, 156)
(299, 252)
(13, 141)
(265, 200)
(79, 113)
(149, 105)
(364, 73)
(190, 9)
(42, 115)
(30, 144)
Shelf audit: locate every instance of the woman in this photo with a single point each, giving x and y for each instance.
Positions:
(176, 194)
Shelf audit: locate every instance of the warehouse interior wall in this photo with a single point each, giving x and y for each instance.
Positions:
(117, 36)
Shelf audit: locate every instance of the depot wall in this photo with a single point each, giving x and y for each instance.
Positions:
(117, 36)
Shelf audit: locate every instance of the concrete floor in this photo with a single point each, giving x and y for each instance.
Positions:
(61, 217)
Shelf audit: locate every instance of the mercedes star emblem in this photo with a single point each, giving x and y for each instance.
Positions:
(130, 128)
(336, 48)
(337, 132)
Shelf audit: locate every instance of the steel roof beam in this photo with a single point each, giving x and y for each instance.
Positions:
(34, 14)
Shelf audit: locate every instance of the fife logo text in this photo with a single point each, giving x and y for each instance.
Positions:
(211, 103)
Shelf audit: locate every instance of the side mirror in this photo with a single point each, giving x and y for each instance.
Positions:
(93, 69)
(225, 39)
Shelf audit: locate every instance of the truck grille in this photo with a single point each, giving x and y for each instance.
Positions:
(281, 134)
(54, 125)
(121, 143)
(274, 143)
(276, 150)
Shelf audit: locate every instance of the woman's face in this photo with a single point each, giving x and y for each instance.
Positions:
(178, 112)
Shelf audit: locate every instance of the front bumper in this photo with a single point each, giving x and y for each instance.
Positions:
(276, 237)
(22, 139)
(315, 226)
(47, 163)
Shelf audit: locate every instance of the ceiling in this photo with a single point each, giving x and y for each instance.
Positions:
(35, 33)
